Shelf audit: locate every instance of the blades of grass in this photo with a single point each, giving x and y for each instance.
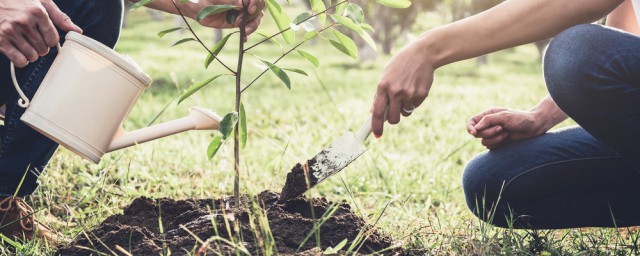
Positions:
(10, 242)
(122, 250)
(155, 118)
(324, 218)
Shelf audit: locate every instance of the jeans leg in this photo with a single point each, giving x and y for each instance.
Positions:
(593, 74)
(24, 151)
(562, 179)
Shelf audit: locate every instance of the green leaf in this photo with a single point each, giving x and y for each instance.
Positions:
(232, 15)
(367, 38)
(164, 32)
(196, 87)
(271, 39)
(310, 35)
(318, 6)
(216, 50)
(395, 3)
(367, 27)
(355, 12)
(227, 124)
(310, 58)
(295, 70)
(242, 129)
(214, 9)
(345, 44)
(341, 8)
(280, 73)
(303, 16)
(213, 147)
(282, 20)
(348, 23)
(140, 4)
(182, 41)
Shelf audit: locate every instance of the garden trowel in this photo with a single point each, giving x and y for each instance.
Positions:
(328, 162)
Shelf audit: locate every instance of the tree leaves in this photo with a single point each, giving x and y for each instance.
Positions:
(213, 147)
(216, 50)
(395, 3)
(182, 41)
(140, 4)
(295, 70)
(280, 73)
(310, 58)
(242, 127)
(164, 32)
(345, 44)
(196, 87)
(282, 20)
(214, 9)
(318, 6)
(348, 23)
(227, 124)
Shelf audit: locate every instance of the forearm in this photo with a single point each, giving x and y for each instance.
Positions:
(547, 114)
(509, 24)
(624, 18)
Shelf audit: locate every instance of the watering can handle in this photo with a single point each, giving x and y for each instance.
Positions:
(23, 101)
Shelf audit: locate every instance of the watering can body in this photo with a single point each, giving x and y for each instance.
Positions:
(88, 93)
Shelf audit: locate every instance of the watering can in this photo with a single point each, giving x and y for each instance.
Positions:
(86, 96)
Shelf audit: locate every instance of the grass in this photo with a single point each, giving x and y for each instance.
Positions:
(409, 182)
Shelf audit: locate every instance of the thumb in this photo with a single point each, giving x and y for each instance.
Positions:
(59, 18)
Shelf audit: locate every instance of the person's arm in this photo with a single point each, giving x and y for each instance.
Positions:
(408, 76)
(27, 29)
(191, 10)
(624, 18)
(498, 125)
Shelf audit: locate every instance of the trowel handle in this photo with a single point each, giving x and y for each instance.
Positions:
(364, 131)
(23, 101)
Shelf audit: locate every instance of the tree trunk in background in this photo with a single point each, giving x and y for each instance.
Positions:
(217, 36)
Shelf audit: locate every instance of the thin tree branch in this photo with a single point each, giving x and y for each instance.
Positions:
(236, 137)
(198, 38)
(287, 29)
(285, 54)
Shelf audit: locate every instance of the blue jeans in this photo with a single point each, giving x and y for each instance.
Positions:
(24, 151)
(582, 176)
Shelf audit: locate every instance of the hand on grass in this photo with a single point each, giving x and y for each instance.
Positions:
(28, 29)
(497, 126)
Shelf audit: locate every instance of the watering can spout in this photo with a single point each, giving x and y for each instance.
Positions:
(198, 119)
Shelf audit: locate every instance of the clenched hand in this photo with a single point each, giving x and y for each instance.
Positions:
(28, 29)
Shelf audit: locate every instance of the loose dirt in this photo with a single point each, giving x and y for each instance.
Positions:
(226, 230)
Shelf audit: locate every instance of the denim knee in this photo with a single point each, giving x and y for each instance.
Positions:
(478, 184)
(572, 59)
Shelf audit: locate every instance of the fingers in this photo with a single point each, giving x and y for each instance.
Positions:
(18, 59)
(496, 141)
(378, 113)
(59, 18)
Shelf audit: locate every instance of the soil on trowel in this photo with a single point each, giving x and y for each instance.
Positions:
(299, 180)
(225, 229)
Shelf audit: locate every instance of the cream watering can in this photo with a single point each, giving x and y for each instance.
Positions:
(86, 96)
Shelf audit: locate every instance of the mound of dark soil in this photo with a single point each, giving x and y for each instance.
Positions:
(227, 230)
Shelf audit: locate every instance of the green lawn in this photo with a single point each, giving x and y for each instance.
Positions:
(415, 168)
